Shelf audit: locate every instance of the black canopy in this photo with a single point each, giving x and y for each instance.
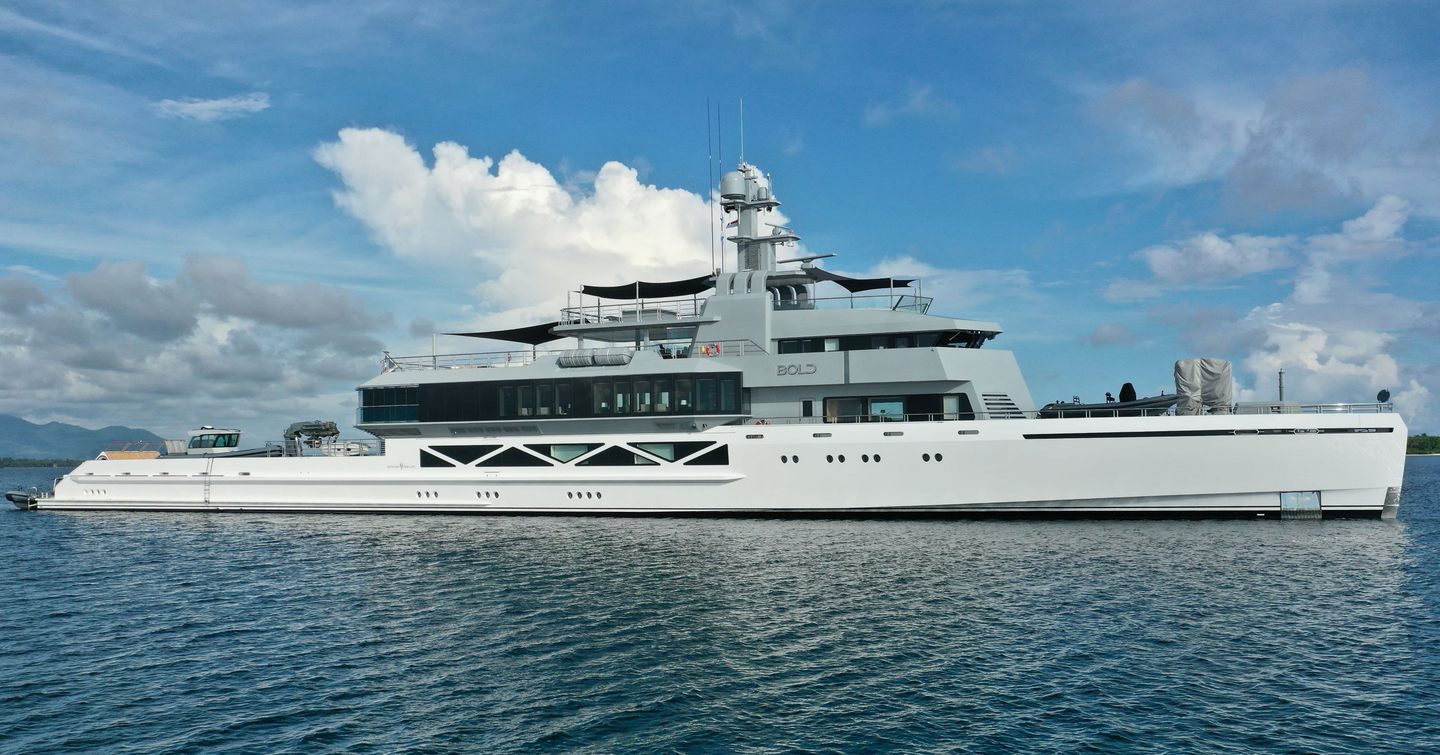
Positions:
(856, 285)
(531, 334)
(648, 290)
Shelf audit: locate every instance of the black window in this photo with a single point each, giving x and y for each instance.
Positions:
(717, 457)
(622, 398)
(616, 456)
(706, 399)
(673, 451)
(563, 452)
(464, 454)
(514, 457)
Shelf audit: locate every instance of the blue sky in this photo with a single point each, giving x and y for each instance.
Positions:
(221, 212)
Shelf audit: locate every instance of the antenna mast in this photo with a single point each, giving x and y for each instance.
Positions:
(742, 129)
(720, 147)
(710, 181)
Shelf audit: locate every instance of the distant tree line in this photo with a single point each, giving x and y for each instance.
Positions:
(10, 461)
(1423, 444)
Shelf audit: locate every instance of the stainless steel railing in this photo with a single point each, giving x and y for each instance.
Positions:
(1058, 413)
(520, 358)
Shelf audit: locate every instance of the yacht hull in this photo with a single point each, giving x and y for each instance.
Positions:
(1303, 466)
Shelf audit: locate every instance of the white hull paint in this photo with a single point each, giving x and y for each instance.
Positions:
(1145, 466)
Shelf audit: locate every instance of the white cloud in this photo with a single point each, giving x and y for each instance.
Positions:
(1208, 258)
(1185, 138)
(532, 237)
(221, 109)
(1203, 259)
(919, 101)
(1337, 339)
(1315, 142)
(118, 345)
(1372, 236)
(1326, 363)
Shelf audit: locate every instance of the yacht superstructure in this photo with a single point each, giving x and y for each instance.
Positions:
(777, 388)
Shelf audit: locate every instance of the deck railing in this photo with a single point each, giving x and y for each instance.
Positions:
(1063, 413)
(520, 358)
(632, 312)
(897, 302)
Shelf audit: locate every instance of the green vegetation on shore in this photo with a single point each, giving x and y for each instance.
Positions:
(1423, 444)
(10, 461)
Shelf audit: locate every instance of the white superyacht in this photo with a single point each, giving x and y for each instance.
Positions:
(776, 389)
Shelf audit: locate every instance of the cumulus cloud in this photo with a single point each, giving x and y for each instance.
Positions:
(1375, 235)
(1203, 259)
(1313, 143)
(1326, 362)
(221, 109)
(1186, 138)
(1334, 335)
(135, 303)
(1206, 258)
(1209, 258)
(918, 101)
(119, 345)
(530, 235)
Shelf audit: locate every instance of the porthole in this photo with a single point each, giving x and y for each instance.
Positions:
(926, 457)
(829, 459)
(570, 495)
(841, 457)
(939, 457)
(784, 459)
(877, 458)
(589, 495)
(794, 459)
(418, 494)
(497, 494)
(598, 496)
(865, 457)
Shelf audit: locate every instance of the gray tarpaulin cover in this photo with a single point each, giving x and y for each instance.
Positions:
(1203, 382)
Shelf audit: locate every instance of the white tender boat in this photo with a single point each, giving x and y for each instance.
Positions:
(779, 389)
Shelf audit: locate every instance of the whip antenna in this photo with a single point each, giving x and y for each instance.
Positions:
(710, 181)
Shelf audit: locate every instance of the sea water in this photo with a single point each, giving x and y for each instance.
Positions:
(124, 632)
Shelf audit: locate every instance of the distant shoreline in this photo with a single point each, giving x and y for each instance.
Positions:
(13, 463)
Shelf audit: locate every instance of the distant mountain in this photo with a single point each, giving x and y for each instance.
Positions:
(57, 440)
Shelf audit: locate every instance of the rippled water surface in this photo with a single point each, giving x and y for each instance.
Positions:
(265, 633)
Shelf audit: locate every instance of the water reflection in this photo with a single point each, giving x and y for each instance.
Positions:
(522, 633)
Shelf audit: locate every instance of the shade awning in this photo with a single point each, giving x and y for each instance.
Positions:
(651, 290)
(856, 285)
(531, 334)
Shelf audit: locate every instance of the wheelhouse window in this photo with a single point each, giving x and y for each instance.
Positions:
(684, 394)
(390, 404)
(968, 339)
(912, 408)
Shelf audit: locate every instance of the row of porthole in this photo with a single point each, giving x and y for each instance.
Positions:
(841, 458)
(95, 491)
(426, 494)
(789, 459)
(938, 457)
(487, 494)
(576, 494)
